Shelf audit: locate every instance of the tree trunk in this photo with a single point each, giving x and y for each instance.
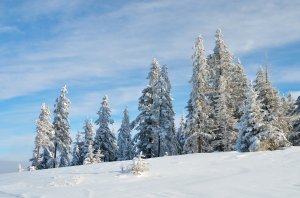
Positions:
(55, 151)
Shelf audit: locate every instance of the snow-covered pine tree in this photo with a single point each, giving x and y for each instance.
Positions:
(225, 135)
(221, 66)
(89, 134)
(238, 83)
(260, 80)
(274, 118)
(221, 63)
(297, 106)
(181, 135)
(105, 139)
(294, 137)
(163, 114)
(43, 152)
(198, 129)
(62, 129)
(255, 132)
(77, 155)
(288, 105)
(251, 123)
(145, 139)
(89, 157)
(125, 146)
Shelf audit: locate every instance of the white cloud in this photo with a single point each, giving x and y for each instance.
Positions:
(106, 44)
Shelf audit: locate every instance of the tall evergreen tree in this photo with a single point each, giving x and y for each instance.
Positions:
(238, 83)
(43, 152)
(62, 129)
(181, 134)
(294, 137)
(77, 155)
(105, 139)
(251, 123)
(274, 115)
(263, 136)
(163, 114)
(225, 134)
(145, 139)
(89, 134)
(125, 146)
(198, 129)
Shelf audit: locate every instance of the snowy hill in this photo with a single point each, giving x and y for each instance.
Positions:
(232, 174)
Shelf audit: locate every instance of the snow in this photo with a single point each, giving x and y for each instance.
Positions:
(224, 174)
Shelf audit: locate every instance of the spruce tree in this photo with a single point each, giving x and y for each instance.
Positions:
(251, 123)
(88, 138)
(145, 124)
(163, 114)
(181, 135)
(105, 139)
(225, 134)
(89, 157)
(43, 152)
(125, 146)
(77, 154)
(62, 129)
(274, 114)
(255, 132)
(198, 129)
(294, 137)
(222, 72)
(238, 86)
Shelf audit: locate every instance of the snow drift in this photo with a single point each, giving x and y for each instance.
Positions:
(229, 174)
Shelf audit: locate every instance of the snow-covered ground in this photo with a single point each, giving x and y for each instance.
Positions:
(221, 175)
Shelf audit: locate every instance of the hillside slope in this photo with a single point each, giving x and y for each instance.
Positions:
(231, 174)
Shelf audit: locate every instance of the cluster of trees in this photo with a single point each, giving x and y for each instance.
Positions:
(225, 112)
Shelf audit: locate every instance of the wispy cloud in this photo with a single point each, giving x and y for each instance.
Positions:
(106, 44)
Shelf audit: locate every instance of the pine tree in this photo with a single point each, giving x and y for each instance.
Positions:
(77, 155)
(62, 129)
(260, 80)
(125, 146)
(145, 139)
(43, 152)
(294, 137)
(181, 135)
(255, 133)
(88, 138)
(225, 134)
(89, 157)
(277, 125)
(224, 73)
(250, 124)
(238, 86)
(198, 129)
(105, 139)
(163, 114)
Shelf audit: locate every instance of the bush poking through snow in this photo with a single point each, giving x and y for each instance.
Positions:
(139, 165)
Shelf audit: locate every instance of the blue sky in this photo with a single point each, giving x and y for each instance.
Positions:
(106, 47)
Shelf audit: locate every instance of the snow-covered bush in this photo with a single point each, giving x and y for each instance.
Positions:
(139, 165)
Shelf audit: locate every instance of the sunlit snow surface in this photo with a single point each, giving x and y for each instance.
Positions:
(221, 175)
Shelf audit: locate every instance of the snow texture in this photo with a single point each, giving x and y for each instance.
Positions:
(270, 174)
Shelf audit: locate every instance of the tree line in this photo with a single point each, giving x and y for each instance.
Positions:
(225, 112)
